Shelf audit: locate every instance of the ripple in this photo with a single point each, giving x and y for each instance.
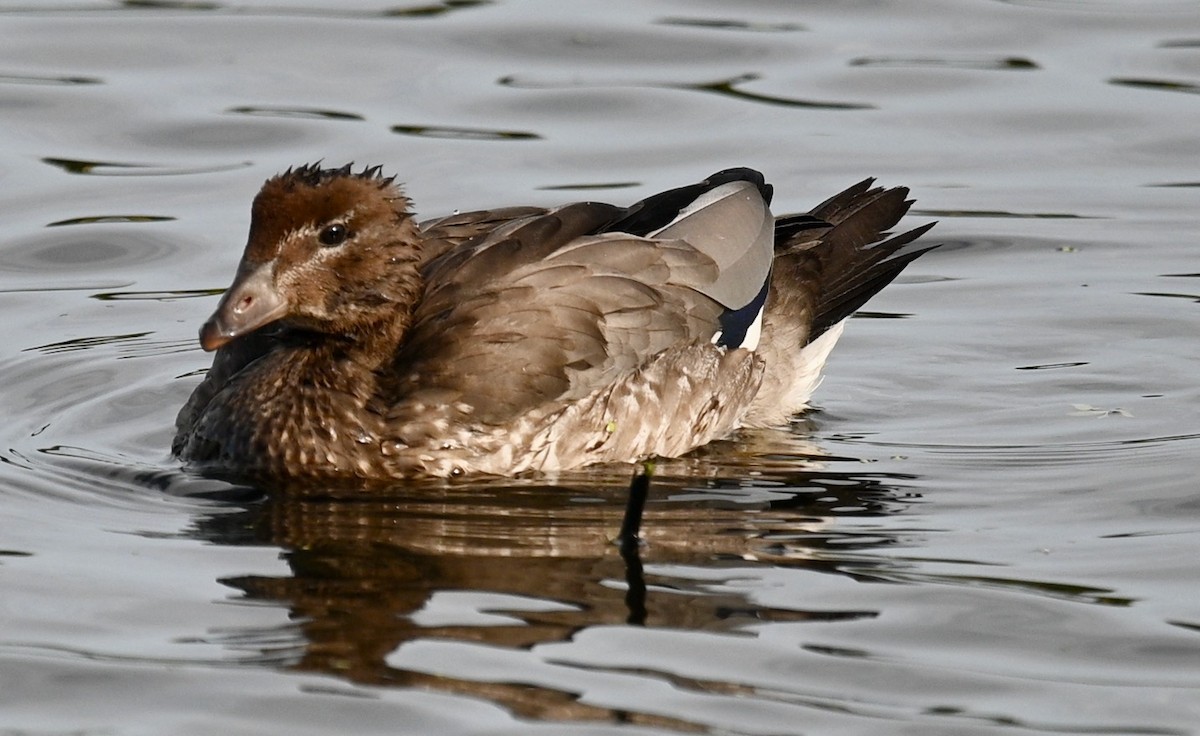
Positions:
(590, 186)
(67, 389)
(85, 343)
(48, 80)
(435, 9)
(1051, 366)
(90, 478)
(107, 219)
(1161, 85)
(220, 136)
(725, 87)
(419, 11)
(156, 296)
(1062, 591)
(1003, 214)
(115, 168)
(725, 24)
(51, 288)
(1001, 63)
(1061, 454)
(729, 88)
(463, 133)
(564, 44)
(869, 314)
(1193, 627)
(1113, 6)
(1170, 295)
(131, 345)
(172, 4)
(310, 113)
(84, 250)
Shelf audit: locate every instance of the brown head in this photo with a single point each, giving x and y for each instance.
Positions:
(330, 251)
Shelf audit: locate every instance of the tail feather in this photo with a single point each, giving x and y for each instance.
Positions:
(828, 263)
(876, 267)
(830, 210)
(843, 234)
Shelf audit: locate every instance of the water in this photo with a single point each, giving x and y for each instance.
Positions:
(990, 526)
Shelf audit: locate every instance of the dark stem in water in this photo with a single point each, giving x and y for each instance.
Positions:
(630, 543)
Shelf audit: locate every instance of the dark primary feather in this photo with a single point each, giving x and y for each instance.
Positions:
(852, 266)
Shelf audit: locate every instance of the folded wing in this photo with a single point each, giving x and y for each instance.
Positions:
(547, 307)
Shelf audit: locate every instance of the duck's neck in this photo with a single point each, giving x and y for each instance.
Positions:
(369, 337)
(348, 359)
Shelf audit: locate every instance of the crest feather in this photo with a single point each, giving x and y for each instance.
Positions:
(314, 175)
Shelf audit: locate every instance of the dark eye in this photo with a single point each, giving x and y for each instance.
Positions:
(334, 234)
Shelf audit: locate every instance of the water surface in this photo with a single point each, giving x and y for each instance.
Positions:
(990, 524)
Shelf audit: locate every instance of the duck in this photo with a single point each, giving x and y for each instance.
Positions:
(358, 342)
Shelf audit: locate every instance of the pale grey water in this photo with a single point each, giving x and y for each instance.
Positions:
(991, 525)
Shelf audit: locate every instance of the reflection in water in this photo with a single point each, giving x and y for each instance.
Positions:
(516, 563)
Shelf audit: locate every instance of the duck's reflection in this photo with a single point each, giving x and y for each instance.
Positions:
(373, 570)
